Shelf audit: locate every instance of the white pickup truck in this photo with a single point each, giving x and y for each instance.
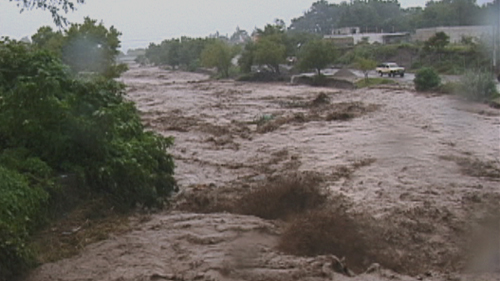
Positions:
(391, 69)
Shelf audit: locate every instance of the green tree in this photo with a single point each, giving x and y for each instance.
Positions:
(426, 79)
(360, 13)
(316, 54)
(154, 54)
(173, 57)
(278, 28)
(270, 52)
(182, 52)
(87, 47)
(295, 40)
(247, 57)
(85, 126)
(92, 47)
(450, 13)
(365, 65)
(319, 19)
(190, 50)
(387, 15)
(218, 54)
(437, 42)
(53, 124)
(47, 39)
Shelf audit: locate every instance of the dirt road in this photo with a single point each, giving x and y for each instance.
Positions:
(423, 172)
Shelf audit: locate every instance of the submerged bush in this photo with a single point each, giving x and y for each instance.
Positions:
(280, 199)
(426, 79)
(478, 86)
(326, 231)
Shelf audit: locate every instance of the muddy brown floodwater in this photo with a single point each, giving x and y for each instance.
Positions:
(423, 171)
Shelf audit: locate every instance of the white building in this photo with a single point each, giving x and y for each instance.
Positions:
(381, 38)
(456, 33)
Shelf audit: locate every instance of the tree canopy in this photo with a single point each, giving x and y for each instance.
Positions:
(86, 47)
(365, 65)
(437, 42)
(270, 52)
(387, 15)
(316, 54)
(184, 52)
(218, 54)
(53, 124)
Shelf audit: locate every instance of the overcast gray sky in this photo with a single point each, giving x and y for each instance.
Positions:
(145, 21)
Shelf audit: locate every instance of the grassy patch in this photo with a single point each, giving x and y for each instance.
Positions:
(370, 82)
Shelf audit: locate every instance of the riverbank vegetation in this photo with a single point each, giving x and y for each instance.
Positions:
(55, 126)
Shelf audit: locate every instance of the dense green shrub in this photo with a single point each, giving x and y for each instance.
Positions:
(426, 79)
(72, 124)
(53, 123)
(20, 212)
(478, 86)
(87, 47)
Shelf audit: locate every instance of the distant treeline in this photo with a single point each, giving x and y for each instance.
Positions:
(184, 52)
(388, 16)
(277, 44)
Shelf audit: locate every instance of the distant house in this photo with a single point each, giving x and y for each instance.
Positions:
(340, 40)
(339, 37)
(346, 31)
(456, 33)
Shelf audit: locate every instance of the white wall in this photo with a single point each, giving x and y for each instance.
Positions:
(455, 32)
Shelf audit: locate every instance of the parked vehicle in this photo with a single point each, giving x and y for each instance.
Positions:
(391, 69)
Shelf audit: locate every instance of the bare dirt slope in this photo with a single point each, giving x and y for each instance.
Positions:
(421, 172)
